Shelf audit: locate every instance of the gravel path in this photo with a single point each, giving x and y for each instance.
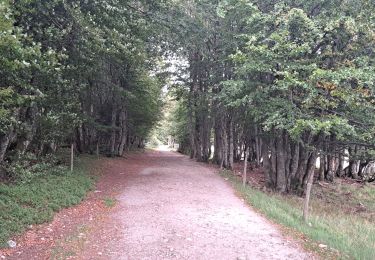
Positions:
(170, 207)
(167, 207)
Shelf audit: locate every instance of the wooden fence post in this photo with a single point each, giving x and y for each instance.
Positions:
(72, 157)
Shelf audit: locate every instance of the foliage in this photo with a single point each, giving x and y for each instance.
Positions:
(34, 200)
(172, 125)
(315, 83)
(27, 167)
(289, 80)
(78, 72)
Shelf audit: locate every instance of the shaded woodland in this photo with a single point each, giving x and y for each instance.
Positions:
(288, 83)
(75, 73)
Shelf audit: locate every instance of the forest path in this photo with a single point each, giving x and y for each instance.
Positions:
(170, 207)
(166, 206)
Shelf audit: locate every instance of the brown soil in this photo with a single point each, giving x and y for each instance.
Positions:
(167, 207)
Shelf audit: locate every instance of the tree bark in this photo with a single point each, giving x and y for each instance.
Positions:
(281, 182)
(113, 132)
(257, 146)
(266, 162)
(294, 163)
(273, 163)
(310, 180)
(244, 177)
(322, 166)
(4, 143)
(122, 134)
(231, 146)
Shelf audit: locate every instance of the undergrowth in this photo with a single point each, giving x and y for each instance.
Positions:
(350, 235)
(37, 193)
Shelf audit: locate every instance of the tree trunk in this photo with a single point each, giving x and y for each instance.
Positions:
(257, 146)
(217, 142)
(206, 130)
(331, 160)
(340, 170)
(273, 163)
(310, 180)
(322, 166)
(354, 162)
(331, 167)
(297, 182)
(266, 162)
(294, 163)
(123, 134)
(231, 146)
(4, 143)
(244, 177)
(281, 182)
(113, 133)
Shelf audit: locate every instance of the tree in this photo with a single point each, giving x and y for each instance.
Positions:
(286, 80)
(77, 71)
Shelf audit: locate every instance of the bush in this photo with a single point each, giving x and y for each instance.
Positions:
(26, 167)
(40, 190)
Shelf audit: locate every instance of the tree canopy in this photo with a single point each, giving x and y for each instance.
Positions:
(285, 81)
(77, 71)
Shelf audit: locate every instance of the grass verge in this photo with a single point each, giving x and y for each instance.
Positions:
(348, 236)
(36, 201)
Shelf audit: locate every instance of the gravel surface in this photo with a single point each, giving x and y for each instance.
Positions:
(173, 208)
(167, 207)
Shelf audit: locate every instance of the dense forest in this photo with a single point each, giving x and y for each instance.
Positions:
(288, 83)
(284, 88)
(76, 72)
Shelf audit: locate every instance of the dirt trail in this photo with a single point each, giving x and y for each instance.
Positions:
(169, 207)
(174, 208)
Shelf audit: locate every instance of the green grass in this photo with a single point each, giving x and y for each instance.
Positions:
(109, 202)
(351, 234)
(36, 201)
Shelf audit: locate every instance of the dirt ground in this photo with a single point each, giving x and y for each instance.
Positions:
(166, 206)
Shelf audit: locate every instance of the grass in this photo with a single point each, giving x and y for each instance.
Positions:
(109, 202)
(36, 201)
(348, 235)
